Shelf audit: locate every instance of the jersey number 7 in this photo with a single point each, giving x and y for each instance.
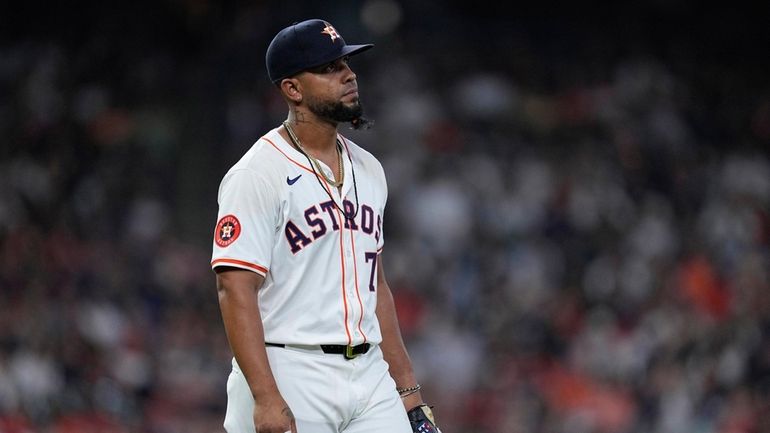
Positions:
(373, 258)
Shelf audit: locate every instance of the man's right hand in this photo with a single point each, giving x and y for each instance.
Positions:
(273, 416)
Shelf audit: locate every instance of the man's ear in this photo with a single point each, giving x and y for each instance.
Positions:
(291, 89)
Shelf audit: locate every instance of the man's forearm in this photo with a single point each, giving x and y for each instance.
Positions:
(243, 326)
(393, 348)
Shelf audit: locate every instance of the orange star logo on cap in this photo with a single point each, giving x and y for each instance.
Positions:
(331, 31)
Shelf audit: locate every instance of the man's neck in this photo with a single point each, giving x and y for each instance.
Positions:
(314, 134)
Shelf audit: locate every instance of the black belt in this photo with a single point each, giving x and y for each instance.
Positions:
(349, 352)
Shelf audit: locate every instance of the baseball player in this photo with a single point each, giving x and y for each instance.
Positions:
(302, 291)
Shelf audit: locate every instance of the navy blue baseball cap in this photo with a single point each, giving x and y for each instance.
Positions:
(305, 45)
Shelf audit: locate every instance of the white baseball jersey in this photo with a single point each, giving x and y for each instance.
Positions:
(275, 219)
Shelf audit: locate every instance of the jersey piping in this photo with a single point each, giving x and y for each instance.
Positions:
(342, 252)
(287, 156)
(355, 273)
(240, 263)
(355, 264)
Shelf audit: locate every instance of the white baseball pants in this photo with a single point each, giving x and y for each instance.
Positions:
(326, 393)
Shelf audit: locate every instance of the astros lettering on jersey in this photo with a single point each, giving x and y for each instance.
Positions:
(276, 220)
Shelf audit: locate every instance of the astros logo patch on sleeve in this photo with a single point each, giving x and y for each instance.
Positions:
(227, 231)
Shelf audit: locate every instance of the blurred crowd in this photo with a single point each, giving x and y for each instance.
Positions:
(577, 229)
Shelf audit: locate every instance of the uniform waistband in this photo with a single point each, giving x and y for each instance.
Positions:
(349, 352)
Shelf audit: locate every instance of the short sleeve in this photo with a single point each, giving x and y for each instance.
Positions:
(245, 232)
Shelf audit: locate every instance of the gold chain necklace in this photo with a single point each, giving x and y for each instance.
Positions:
(314, 161)
(348, 215)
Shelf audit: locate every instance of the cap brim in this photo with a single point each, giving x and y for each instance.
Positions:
(347, 50)
(351, 50)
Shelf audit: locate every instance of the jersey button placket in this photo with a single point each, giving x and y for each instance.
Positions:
(350, 293)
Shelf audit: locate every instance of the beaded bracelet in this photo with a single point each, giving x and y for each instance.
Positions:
(408, 393)
(403, 392)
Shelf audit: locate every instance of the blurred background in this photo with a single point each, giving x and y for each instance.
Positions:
(577, 227)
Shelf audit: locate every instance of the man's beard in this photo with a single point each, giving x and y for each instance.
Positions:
(336, 111)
